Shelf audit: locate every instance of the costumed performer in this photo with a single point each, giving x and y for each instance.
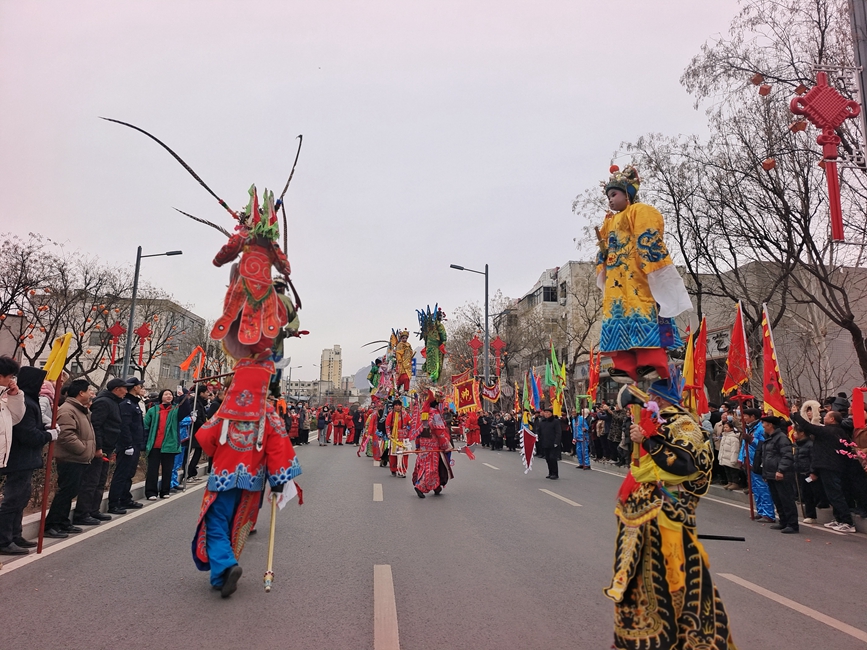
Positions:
(397, 424)
(472, 429)
(581, 438)
(430, 472)
(248, 443)
(642, 290)
(433, 333)
(663, 594)
(403, 354)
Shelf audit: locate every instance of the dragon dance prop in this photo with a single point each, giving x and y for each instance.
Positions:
(255, 320)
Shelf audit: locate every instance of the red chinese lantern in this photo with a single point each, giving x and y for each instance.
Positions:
(20, 313)
(93, 308)
(29, 336)
(2, 316)
(33, 292)
(768, 164)
(88, 351)
(104, 311)
(756, 79)
(801, 89)
(41, 329)
(764, 90)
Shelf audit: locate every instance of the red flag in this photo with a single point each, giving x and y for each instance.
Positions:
(595, 367)
(738, 369)
(467, 396)
(528, 444)
(700, 364)
(774, 397)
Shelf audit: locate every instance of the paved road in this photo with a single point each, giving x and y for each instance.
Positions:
(494, 563)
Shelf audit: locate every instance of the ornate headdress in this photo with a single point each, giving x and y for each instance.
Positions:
(626, 181)
(262, 221)
(670, 389)
(403, 333)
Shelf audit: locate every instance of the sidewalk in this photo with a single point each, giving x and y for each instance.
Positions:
(30, 525)
(717, 492)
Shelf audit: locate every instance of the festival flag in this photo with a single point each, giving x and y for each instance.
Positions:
(528, 445)
(517, 398)
(688, 399)
(701, 367)
(467, 396)
(492, 392)
(774, 396)
(57, 357)
(549, 375)
(198, 351)
(536, 388)
(594, 370)
(738, 368)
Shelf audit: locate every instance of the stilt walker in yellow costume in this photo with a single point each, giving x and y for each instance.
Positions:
(664, 597)
(642, 290)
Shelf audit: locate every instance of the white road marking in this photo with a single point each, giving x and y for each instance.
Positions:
(861, 635)
(75, 539)
(491, 466)
(385, 634)
(377, 491)
(569, 462)
(557, 496)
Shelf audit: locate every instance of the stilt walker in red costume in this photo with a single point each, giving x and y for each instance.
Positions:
(246, 438)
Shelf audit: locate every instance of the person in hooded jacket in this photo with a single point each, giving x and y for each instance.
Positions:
(29, 436)
(128, 451)
(778, 470)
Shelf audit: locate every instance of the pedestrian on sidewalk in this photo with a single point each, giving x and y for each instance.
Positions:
(128, 451)
(203, 395)
(11, 405)
(827, 462)
(729, 446)
(162, 422)
(29, 436)
(76, 448)
(778, 470)
(803, 471)
(106, 421)
(549, 441)
(323, 421)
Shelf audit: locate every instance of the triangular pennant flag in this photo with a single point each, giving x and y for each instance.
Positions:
(528, 445)
(774, 396)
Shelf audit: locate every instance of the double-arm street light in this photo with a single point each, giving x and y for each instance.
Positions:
(128, 350)
(487, 331)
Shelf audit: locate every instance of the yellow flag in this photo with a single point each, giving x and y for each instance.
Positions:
(689, 400)
(57, 357)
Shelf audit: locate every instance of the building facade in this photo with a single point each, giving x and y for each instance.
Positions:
(331, 365)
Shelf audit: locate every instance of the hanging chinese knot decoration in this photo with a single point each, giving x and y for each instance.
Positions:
(143, 333)
(476, 345)
(827, 109)
(497, 345)
(116, 331)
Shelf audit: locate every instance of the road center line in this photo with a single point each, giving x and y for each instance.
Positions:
(385, 634)
(75, 539)
(861, 635)
(491, 466)
(377, 491)
(557, 496)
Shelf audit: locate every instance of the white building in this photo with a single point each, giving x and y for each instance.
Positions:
(331, 366)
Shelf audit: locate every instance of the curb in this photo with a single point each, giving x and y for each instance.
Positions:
(30, 524)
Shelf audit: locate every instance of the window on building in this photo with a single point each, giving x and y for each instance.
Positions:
(549, 294)
(99, 338)
(563, 291)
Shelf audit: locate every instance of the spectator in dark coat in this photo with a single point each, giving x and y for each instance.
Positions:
(778, 470)
(130, 443)
(29, 436)
(803, 469)
(566, 445)
(548, 430)
(828, 465)
(510, 431)
(485, 422)
(203, 394)
(106, 421)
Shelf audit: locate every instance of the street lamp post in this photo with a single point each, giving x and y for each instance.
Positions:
(487, 331)
(128, 348)
(289, 389)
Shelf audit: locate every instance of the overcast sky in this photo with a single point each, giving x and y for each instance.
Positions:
(434, 133)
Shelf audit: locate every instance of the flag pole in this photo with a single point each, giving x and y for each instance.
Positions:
(48, 460)
(269, 572)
